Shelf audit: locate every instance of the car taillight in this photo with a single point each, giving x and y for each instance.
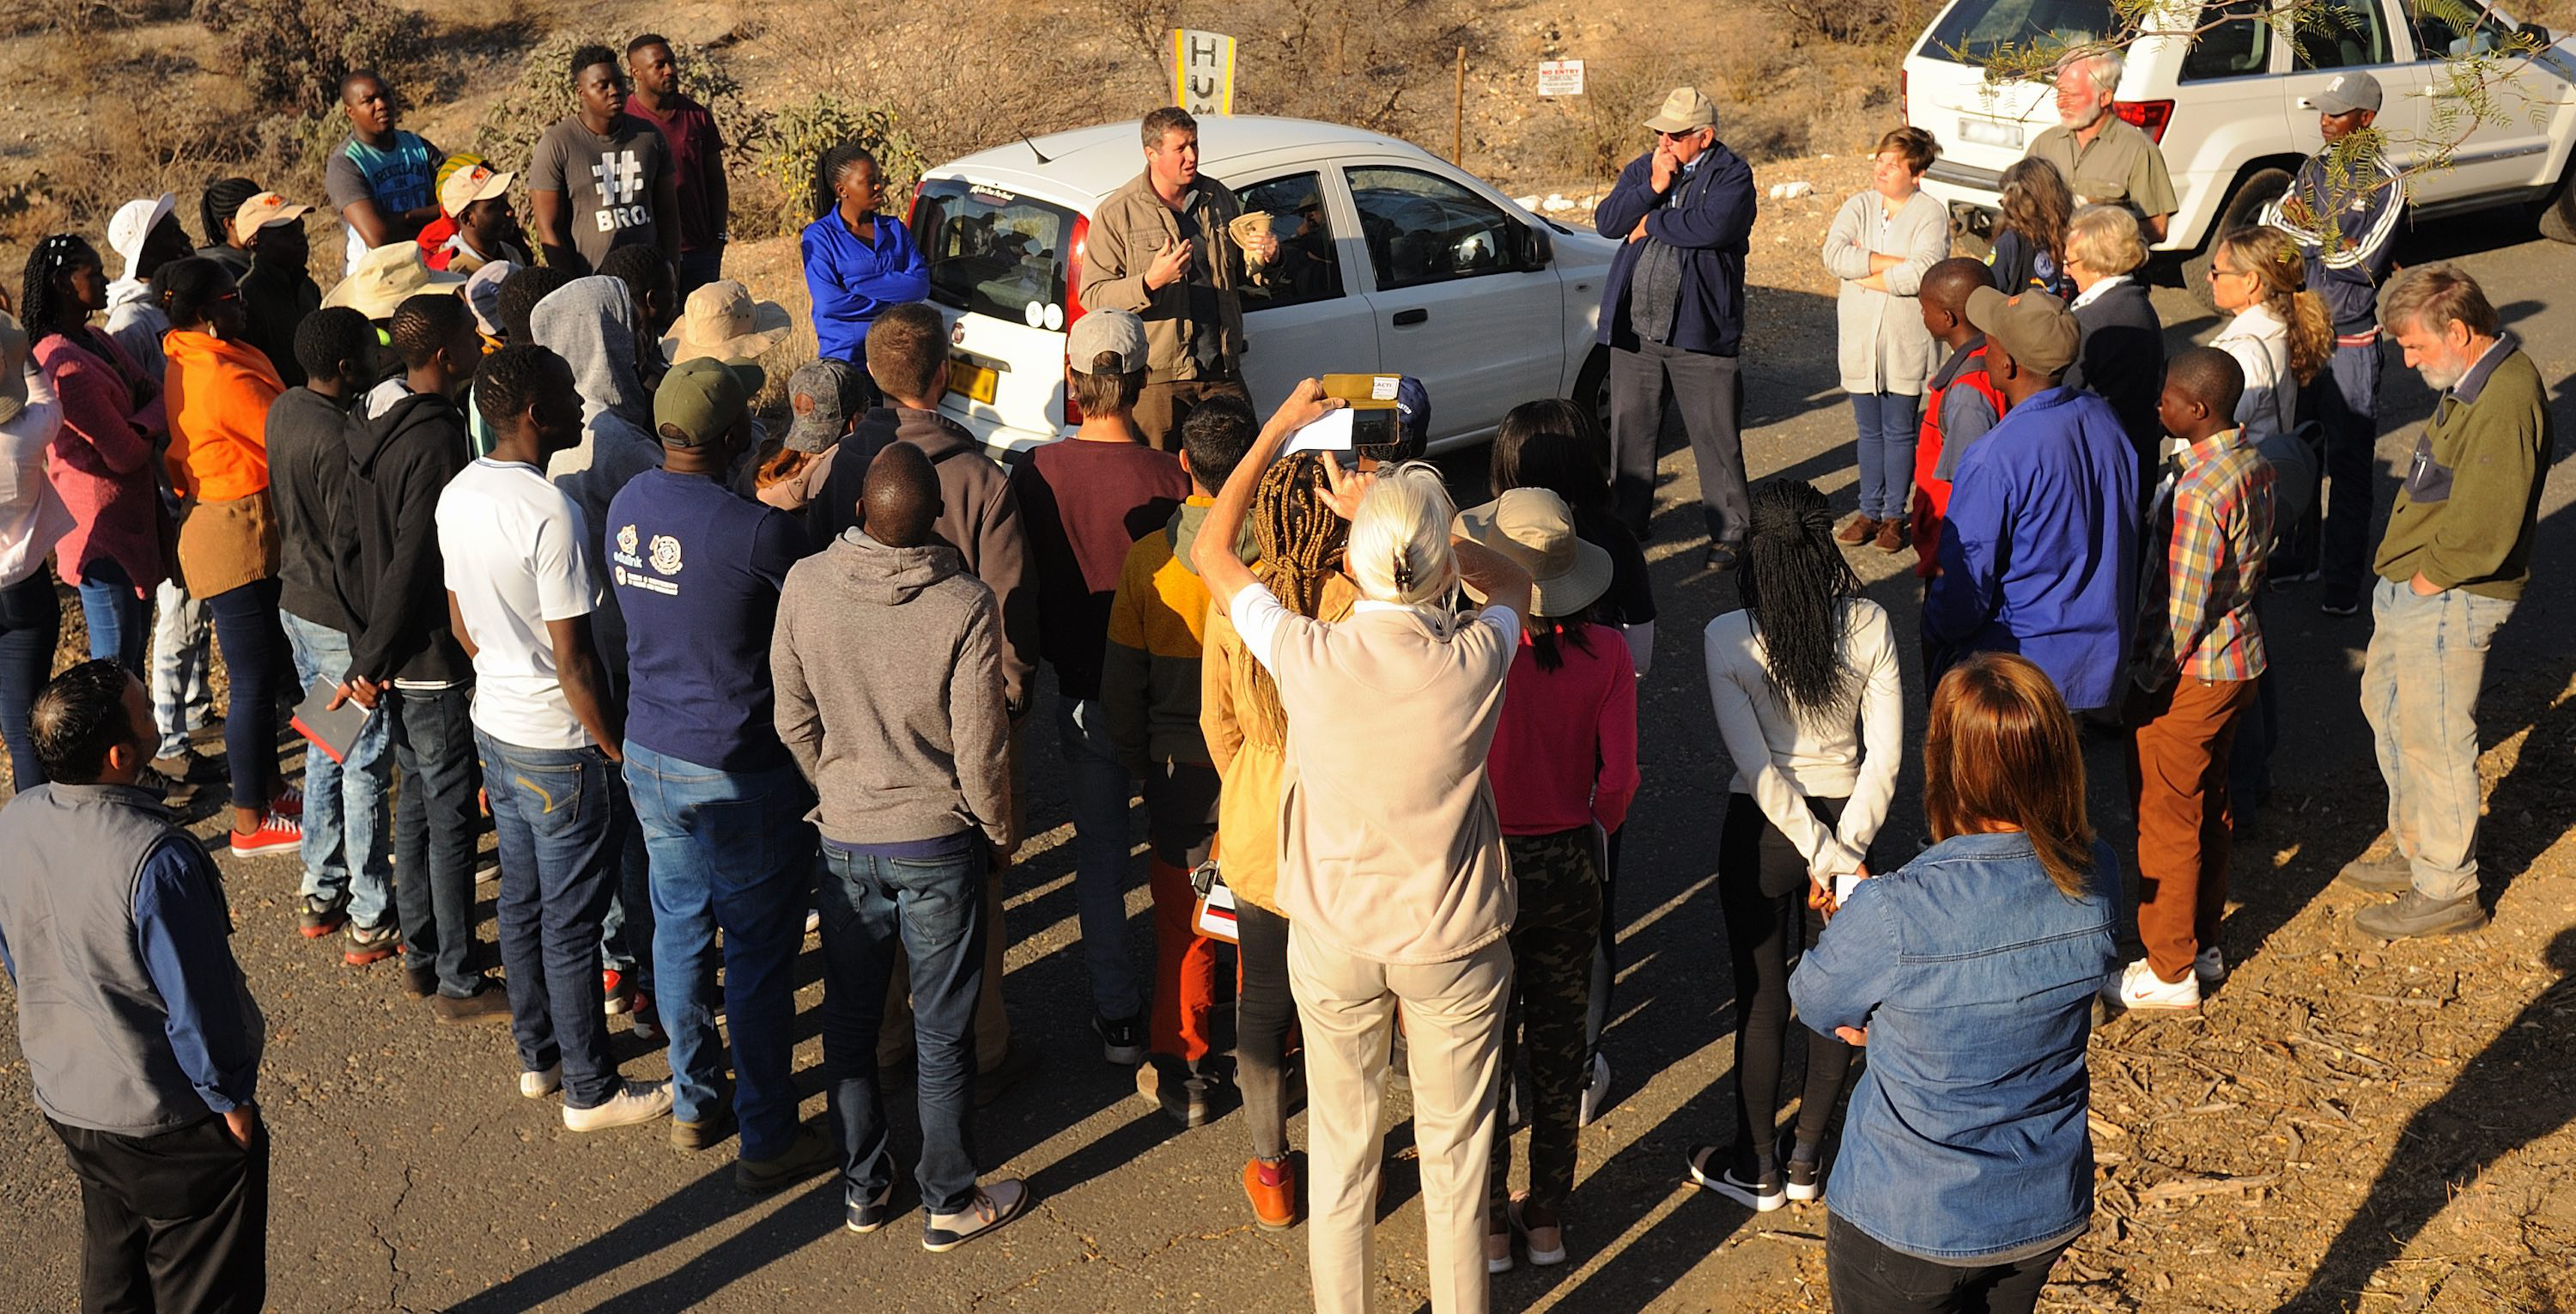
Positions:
(2149, 116)
(1073, 307)
(912, 212)
(1904, 95)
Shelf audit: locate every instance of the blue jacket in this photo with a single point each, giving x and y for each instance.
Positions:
(2366, 210)
(1712, 234)
(1975, 977)
(2041, 554)
(852, 282)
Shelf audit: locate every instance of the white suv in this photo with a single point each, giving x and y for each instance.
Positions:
(1391, 261)
(2233, 112)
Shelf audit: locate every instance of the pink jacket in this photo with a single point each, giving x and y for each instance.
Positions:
(102, 461)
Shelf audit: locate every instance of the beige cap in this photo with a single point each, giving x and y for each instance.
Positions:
(388, 276)
(1683, 111)
(2035, 328)
(721, 320)
(470, 184)
(264, 209)
(1533, 527)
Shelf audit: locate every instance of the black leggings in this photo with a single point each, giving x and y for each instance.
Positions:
(1762, 886)
(247, 631)
(1867, 1277)
(1263, 1011)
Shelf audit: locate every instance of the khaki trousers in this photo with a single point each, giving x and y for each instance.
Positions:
(1453, 1020)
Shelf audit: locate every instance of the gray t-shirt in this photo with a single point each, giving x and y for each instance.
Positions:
(1655, 290)
(607, 182)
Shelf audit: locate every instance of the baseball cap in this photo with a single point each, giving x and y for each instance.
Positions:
(467, 185)
(823, 394)
(135, 221)
(483, 295)
(701, 397)
(265, 209)
(2349, 92)
(1118, 332)
(2035, 329)
(1683, 111)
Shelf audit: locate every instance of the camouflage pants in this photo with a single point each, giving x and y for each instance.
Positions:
(1552, 940)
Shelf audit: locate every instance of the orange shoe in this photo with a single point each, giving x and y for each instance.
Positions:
(1272, 1189)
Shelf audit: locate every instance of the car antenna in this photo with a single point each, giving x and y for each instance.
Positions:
(1033, 146)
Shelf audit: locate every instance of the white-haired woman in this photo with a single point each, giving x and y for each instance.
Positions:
(1391, 861)
(2121, 358)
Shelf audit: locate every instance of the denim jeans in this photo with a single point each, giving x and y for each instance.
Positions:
(935, 911)
(31, 620)
(626, 933)
(254, 653)
(119, 616)
(2419, 690)
(1888, 429)
(347, 804)
(435, 823)
(730, 852)
(1101, 790)
(555, 816)
(182, 697)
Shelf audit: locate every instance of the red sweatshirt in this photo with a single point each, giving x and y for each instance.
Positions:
(1565, 754)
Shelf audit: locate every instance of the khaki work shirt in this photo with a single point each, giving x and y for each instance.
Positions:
(2122, 167)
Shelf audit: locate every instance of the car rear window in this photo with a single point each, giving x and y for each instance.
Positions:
(1970, 31)
(993, 252)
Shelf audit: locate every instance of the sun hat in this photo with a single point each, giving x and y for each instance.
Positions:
(386, 277)
(721, 320)
(1533, 527)
(134, 221)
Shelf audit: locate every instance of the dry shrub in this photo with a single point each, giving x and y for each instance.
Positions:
(293, 53)
(20, 18)
(543, 97)
(113, 158)
(802, 133)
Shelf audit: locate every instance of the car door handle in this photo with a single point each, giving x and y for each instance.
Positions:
(1404, 318)
(2304, 103)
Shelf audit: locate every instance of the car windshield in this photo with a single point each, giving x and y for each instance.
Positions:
(1970, 31)
(993, 252)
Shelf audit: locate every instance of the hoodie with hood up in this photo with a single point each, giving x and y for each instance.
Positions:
(888, 666)
(393, 581)
(590, 322)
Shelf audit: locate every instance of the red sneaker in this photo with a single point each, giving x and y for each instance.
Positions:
(288, 803)
(276, 834)
(613, 983)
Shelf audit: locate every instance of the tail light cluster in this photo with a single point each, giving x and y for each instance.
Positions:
(1073, 307)
(2151, 117)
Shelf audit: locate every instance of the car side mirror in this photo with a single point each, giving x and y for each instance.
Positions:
(1538, 249)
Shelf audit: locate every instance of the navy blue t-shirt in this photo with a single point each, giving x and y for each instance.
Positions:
(697, 571)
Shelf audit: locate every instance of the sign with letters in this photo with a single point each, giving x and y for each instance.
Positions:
(1560, 77)
(1202, 71)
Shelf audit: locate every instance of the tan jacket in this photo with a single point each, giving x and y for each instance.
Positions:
(1253, 762)
(1131, 227)
(1389, 847)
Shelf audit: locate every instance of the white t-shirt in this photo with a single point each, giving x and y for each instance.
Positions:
(515, 560)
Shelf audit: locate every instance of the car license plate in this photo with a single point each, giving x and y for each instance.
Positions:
(1988, 132)
(970, 380)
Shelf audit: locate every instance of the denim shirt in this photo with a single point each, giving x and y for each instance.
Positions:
(1966, 1140)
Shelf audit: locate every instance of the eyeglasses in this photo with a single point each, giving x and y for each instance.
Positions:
(2217, 273)
(1684, 134)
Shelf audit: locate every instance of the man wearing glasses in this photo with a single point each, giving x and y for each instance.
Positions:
(1674, 313)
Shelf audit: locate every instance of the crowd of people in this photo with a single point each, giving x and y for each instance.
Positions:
(510, 533)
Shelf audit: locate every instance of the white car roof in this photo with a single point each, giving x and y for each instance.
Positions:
(1089, 163)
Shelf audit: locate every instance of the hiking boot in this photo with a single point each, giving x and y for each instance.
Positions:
(274, 834)
(488, 1003)
(1544, 1242)
(1857, 530)
(2388, 874)
(994, 1204)
(1762, 1192)
(1122, 1040)
(635, 1102)
(2414, 915)
(322, 915)
(810, 1153)
(691, 1137)
(1272, 1188)
(538, 1085)
(1596, 1090)
(2137, 989)
(1893, 536)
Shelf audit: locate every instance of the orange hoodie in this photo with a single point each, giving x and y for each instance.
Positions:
(218, 394)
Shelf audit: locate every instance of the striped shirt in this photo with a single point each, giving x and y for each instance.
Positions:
(2221, 530)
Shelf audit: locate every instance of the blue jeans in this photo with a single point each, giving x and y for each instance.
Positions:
(182, 698)
(347, 804)
(435, 824)
(31, 619)
(626, 933)
(118, 614)
(556, 819)
(1101, 789)
(254, 653)
(935, 911)
(1888, 429)
(2419, 689)
(730, 852)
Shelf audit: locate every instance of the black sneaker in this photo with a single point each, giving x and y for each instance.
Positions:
(1805, 1177)
(865, 1216)
(322, 916)
(2339, 600)
(1762, 1193)
(1122, 1040)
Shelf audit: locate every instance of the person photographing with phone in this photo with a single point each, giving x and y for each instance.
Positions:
(1391, 865)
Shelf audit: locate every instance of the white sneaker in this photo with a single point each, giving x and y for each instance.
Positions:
(1596, 1090)
(2137, 989)
(538, 1085)
(2209, 967)
(995, 1203)
(636, 1102)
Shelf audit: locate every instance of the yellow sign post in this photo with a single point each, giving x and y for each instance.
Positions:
(1202, 71)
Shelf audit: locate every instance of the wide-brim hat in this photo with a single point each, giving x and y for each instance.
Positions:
(722, 320)
(1533, 526)
(386, 277)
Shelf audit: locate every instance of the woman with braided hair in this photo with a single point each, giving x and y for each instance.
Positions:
(226, 245)
(1299, 542)
(857, 261)
(1804, 682)
(103, 455)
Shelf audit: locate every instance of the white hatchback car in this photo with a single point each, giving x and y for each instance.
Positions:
(1396, 262)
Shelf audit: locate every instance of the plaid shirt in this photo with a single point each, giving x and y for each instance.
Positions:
(2219, 534)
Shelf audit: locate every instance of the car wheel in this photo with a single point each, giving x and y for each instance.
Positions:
(2244, 208)
(2557, 215)
(1592, 388)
